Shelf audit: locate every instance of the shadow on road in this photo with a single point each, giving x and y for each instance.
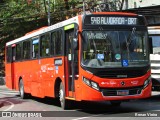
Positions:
(142, 105)
(5, 101)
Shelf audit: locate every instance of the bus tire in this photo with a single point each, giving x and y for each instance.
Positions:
(23, 95)
(63, 102)
(115, 103)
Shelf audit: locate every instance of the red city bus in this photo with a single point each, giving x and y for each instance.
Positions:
(92, 57)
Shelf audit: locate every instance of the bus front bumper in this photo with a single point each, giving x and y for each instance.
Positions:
(90, 94)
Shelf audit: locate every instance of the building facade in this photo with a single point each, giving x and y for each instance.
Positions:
(149, 8)
(141, 3)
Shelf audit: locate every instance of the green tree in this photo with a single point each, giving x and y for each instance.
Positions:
(18, 17)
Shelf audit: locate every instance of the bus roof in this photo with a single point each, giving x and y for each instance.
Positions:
(34, 33)
(36, 30)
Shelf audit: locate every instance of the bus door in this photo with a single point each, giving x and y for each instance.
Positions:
(71, 66)
(13, 56)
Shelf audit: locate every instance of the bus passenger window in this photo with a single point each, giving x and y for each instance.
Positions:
(26, 49)
(35, 45)
(56, 43)
(44, 51)
(9, 55)
(53, 36)
(18, 51)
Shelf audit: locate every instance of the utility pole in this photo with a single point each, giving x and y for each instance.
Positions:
(49, 15)
(126, 4)
(84, 12)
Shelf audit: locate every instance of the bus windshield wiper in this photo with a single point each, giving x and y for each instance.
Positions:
(129, 40)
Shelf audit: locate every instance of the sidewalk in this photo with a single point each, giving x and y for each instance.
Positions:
(1, 102)
(2, 85)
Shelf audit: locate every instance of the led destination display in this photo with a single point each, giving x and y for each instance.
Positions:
(113, 20)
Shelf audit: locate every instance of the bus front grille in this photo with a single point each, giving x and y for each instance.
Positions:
(125, 91)
(125, 73)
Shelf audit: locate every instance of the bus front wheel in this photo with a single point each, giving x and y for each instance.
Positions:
(21, 90)
(64, 103)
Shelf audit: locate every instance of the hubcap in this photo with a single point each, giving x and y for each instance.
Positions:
(21, 89)
(61, 95)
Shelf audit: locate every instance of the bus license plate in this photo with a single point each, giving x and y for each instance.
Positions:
(122, 92)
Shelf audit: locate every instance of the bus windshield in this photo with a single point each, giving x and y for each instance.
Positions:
(103, 49)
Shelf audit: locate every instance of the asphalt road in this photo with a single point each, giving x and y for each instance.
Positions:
(135, 109)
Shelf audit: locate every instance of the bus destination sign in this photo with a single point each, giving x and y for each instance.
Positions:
(114, 20)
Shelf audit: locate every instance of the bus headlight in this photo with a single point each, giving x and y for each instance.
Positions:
(90, 83)
(86, 81)
(94, 85)
(146, 83)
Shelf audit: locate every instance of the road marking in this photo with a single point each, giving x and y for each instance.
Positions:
(88, 117)
(81, 118)
(12, 105)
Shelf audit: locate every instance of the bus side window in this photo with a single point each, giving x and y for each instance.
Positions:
(35, 44)
(53, 36)
(44, 50)
(26, 49)
(18, 52)
(8, 54)
(56, 43)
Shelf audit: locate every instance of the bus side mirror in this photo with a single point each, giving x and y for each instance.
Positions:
(75, 43)
(75, 40)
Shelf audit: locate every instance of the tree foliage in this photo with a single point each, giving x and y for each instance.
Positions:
(18, 16)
